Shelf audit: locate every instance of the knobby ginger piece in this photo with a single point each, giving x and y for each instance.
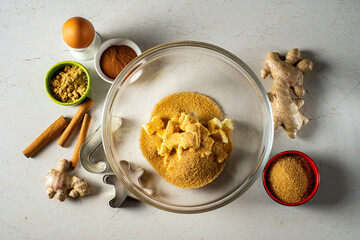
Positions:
(58, 182)
(287, 75)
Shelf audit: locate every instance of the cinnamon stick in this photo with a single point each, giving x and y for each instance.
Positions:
(83, 132)
(84, 107)
(52, 131)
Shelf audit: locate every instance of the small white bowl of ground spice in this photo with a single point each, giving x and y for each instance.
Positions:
(113, 55)
(291, 178)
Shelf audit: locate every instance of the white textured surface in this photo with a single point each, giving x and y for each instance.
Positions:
(328, 33)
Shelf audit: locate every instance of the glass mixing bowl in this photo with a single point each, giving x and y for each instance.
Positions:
(196, 67)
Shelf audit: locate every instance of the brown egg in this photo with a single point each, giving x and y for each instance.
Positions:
(78, 32)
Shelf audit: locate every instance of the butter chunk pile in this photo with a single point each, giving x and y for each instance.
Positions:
(187, 133)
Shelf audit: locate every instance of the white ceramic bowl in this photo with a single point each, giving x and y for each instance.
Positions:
(106, 45)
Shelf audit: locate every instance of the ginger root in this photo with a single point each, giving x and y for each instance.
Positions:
(58, 182)
(287, 74)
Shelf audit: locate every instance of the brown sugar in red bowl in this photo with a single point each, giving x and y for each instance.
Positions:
(115, 58)
(291, 178)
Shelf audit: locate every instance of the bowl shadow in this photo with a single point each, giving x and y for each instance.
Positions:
(313, 83)
(333, 184)
(240, 159)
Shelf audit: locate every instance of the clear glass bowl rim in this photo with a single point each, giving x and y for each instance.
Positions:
(142, 59)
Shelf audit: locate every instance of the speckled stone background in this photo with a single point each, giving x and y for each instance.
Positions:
(326, 31)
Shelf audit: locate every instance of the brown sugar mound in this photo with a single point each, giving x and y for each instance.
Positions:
(192, 167)
(290, 178)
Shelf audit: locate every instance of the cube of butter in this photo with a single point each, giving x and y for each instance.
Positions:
(163, 150)
(214, 124)
(204, 133)
(161, 133)
(227, 125)
(181, 118)
(187, 121)
(172, 140)
(220, 134)
(189, 140)
(206, 146)
(171, 127)
(156, 124)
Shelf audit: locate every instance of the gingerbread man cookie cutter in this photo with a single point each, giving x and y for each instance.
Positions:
(93, 159)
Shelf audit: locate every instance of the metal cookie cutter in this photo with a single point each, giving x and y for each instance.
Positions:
(93, 159)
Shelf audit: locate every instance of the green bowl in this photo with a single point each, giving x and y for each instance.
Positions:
(54, 69)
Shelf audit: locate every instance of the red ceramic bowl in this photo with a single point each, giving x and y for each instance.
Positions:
(313, 167)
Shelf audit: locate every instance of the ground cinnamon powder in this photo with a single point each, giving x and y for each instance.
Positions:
(290, 178)
(192, 170)
(115, 58)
